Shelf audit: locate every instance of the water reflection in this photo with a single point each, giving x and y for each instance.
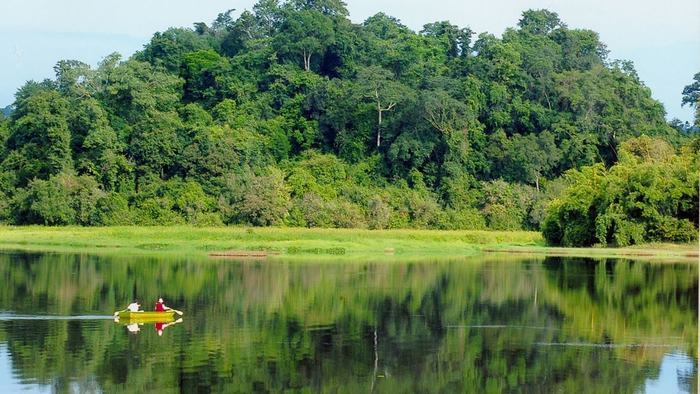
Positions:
(485, 325)
(135, 327)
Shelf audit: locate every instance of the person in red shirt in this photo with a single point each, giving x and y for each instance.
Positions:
(160, 306)
(160, 327)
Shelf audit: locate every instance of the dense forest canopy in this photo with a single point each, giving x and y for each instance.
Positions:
(290, 114)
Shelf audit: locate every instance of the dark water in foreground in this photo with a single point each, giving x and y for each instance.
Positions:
(481, 325)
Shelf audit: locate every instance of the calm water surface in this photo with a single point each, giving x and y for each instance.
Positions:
(492, 325)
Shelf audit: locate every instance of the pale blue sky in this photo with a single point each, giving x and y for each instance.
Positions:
(662, 38)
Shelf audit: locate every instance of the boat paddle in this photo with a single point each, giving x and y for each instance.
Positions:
(118, 312)
(176, 311)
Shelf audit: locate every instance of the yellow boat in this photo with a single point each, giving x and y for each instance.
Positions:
(147, 317)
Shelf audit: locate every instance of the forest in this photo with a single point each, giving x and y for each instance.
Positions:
(292, 115)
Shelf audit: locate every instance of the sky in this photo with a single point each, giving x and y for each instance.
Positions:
(662, 38)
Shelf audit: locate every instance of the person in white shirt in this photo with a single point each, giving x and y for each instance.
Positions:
(134, 306)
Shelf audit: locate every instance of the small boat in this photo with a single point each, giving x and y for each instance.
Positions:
(146, 317)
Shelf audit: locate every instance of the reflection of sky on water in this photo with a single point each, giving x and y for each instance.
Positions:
(675, 375)
(8, 380)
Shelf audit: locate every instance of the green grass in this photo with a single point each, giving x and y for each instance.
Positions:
(659, 252)
(304, 243)
(286, 241)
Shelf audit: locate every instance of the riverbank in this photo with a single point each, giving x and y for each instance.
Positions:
(302, 242)
(192, 241)
(236, 242)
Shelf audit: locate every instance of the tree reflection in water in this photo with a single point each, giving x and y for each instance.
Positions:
(490, 324)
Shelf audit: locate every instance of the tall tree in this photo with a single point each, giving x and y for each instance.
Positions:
(457, 41)
(377, 84)
(39, 141)
(540, 21)
(691, 97)
(304, 33)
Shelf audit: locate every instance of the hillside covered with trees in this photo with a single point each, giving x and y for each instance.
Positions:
(290, 114)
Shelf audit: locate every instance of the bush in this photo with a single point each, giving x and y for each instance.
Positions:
(5, 211)
(672, 229)
(425, 212)
(346, 214)
(464, 219)
(85, 193)
(156, 211)
(205, 219)
(193, 203)
(49, 203)
(266, 200)
(296, 216)
(61, 200)
(322, 174)
(112, 210)
(378, 213)
(260, 200)
(650, 195)
(315, 211)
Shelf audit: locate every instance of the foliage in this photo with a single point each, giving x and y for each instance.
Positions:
(62, 199)
(691, 96)
(650, 195)
(290, 114)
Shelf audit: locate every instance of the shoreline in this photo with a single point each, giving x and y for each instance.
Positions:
(304, 243)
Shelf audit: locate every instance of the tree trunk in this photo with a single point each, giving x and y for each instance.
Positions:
(307, 60)
(379, 124)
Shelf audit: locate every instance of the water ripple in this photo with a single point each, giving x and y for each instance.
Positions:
(12, 317)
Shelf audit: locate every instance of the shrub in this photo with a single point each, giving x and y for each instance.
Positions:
(507, 206)
(266, 200)
(315, 211)
(156, 211)
(205, 219)
(112, 210)
(346, 214)
(191, 202)
(61, 200)
(5, 212)
(650, 195)
(464, 219)
(85, 193)
(378, 213)
(424, 211)
(49, 203)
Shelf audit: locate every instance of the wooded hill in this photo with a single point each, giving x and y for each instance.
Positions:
(290, 114)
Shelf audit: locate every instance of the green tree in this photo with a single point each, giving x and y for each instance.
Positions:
(650, 195)
(39, 140)
(266, 200)
(540, 21)
(167, 49)
(203, 72)
(691, 97)
(304, 33)
(377, 85)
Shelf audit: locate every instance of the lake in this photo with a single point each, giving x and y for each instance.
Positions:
(489, 324)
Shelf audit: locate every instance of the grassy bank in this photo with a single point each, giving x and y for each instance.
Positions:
(296, 242)
(184, 240)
